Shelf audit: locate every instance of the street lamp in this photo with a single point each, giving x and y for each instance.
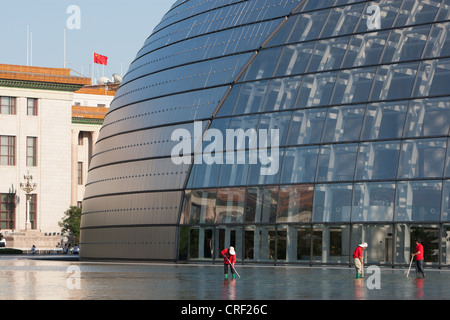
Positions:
(28, 187)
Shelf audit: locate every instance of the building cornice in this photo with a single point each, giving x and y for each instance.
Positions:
(40, 85)
(41, 78)
(76, 120)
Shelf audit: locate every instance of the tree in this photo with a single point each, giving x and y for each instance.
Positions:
(71, 223)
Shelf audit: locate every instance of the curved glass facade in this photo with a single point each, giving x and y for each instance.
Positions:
(340, 112)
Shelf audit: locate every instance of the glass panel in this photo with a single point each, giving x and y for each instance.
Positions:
(294, 59)
(249, 243)
(184, 107)
(242, 133)
(267, 238)
(282, 94)
(303, 244)
(428, 118)
(406, 44)
(252, 36)
(384, 120)
(332, 203)
(260, 242)
(336, 163)
(317, 242)
(274, 121)
(295, 203)
(288, 243)
(342, 20)
(379, 239)
(445, 245)
(230, 205)
(447, 163)
(446, 203)
(214, 139)
(388, 12)
(184, 78)
(413, 12)
(373, 202)
(316, 90)
(306, 126)
(406, 236)
(234, 173)
(434, 75)
(186, 208)
(429, 236)
(205, 46)
(394, 81)
(330, 243)
(418, 201)
(189, 23)
(377, 161)
(227, 107)
(204, 175)
(307, 26)
(264, 161)
(343, 123)
(261, 204)
(365, 49)
(444, 12)
(7, 105)
(251, 97)
(269, 173)
(281, 246)
(203, 205)
(422, 158)
(201, 243)
(439, 41)
(353, 85)
(227, 236)
(183, 243)
(263, 65)
(328, 54)
(299, 164)
(317, 4)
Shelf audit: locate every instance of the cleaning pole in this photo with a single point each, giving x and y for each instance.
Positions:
(412, 257)
(232, 267)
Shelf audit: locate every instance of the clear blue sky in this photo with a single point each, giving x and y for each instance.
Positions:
(114, 28)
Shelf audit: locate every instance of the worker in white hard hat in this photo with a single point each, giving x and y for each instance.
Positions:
(229, 259)
(358, 259)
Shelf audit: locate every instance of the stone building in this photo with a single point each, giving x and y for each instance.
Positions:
(40, 108)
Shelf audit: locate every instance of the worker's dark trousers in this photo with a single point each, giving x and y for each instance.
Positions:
(225, 269)
(419, 268)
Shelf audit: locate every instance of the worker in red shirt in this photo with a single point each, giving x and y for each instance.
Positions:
(229, 258)
(358, 259)
(419, 258)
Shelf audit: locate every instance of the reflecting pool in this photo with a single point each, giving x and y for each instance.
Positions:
(41, 278)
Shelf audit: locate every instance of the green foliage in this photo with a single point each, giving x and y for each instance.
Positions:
(10, 251)
(71, 223)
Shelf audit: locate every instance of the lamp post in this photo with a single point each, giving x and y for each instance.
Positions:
(28, 187)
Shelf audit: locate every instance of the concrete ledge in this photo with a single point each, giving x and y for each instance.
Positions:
(24, 240)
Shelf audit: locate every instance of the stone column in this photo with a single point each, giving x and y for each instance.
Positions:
(74, 184)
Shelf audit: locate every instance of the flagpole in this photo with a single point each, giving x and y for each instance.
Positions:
(64, 47)
(31, 47)
(28, 45)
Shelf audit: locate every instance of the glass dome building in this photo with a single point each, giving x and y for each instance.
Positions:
(291, 129)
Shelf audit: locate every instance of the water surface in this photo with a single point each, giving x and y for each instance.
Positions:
(25, 278)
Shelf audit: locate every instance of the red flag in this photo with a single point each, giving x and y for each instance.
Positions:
(100, 59)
